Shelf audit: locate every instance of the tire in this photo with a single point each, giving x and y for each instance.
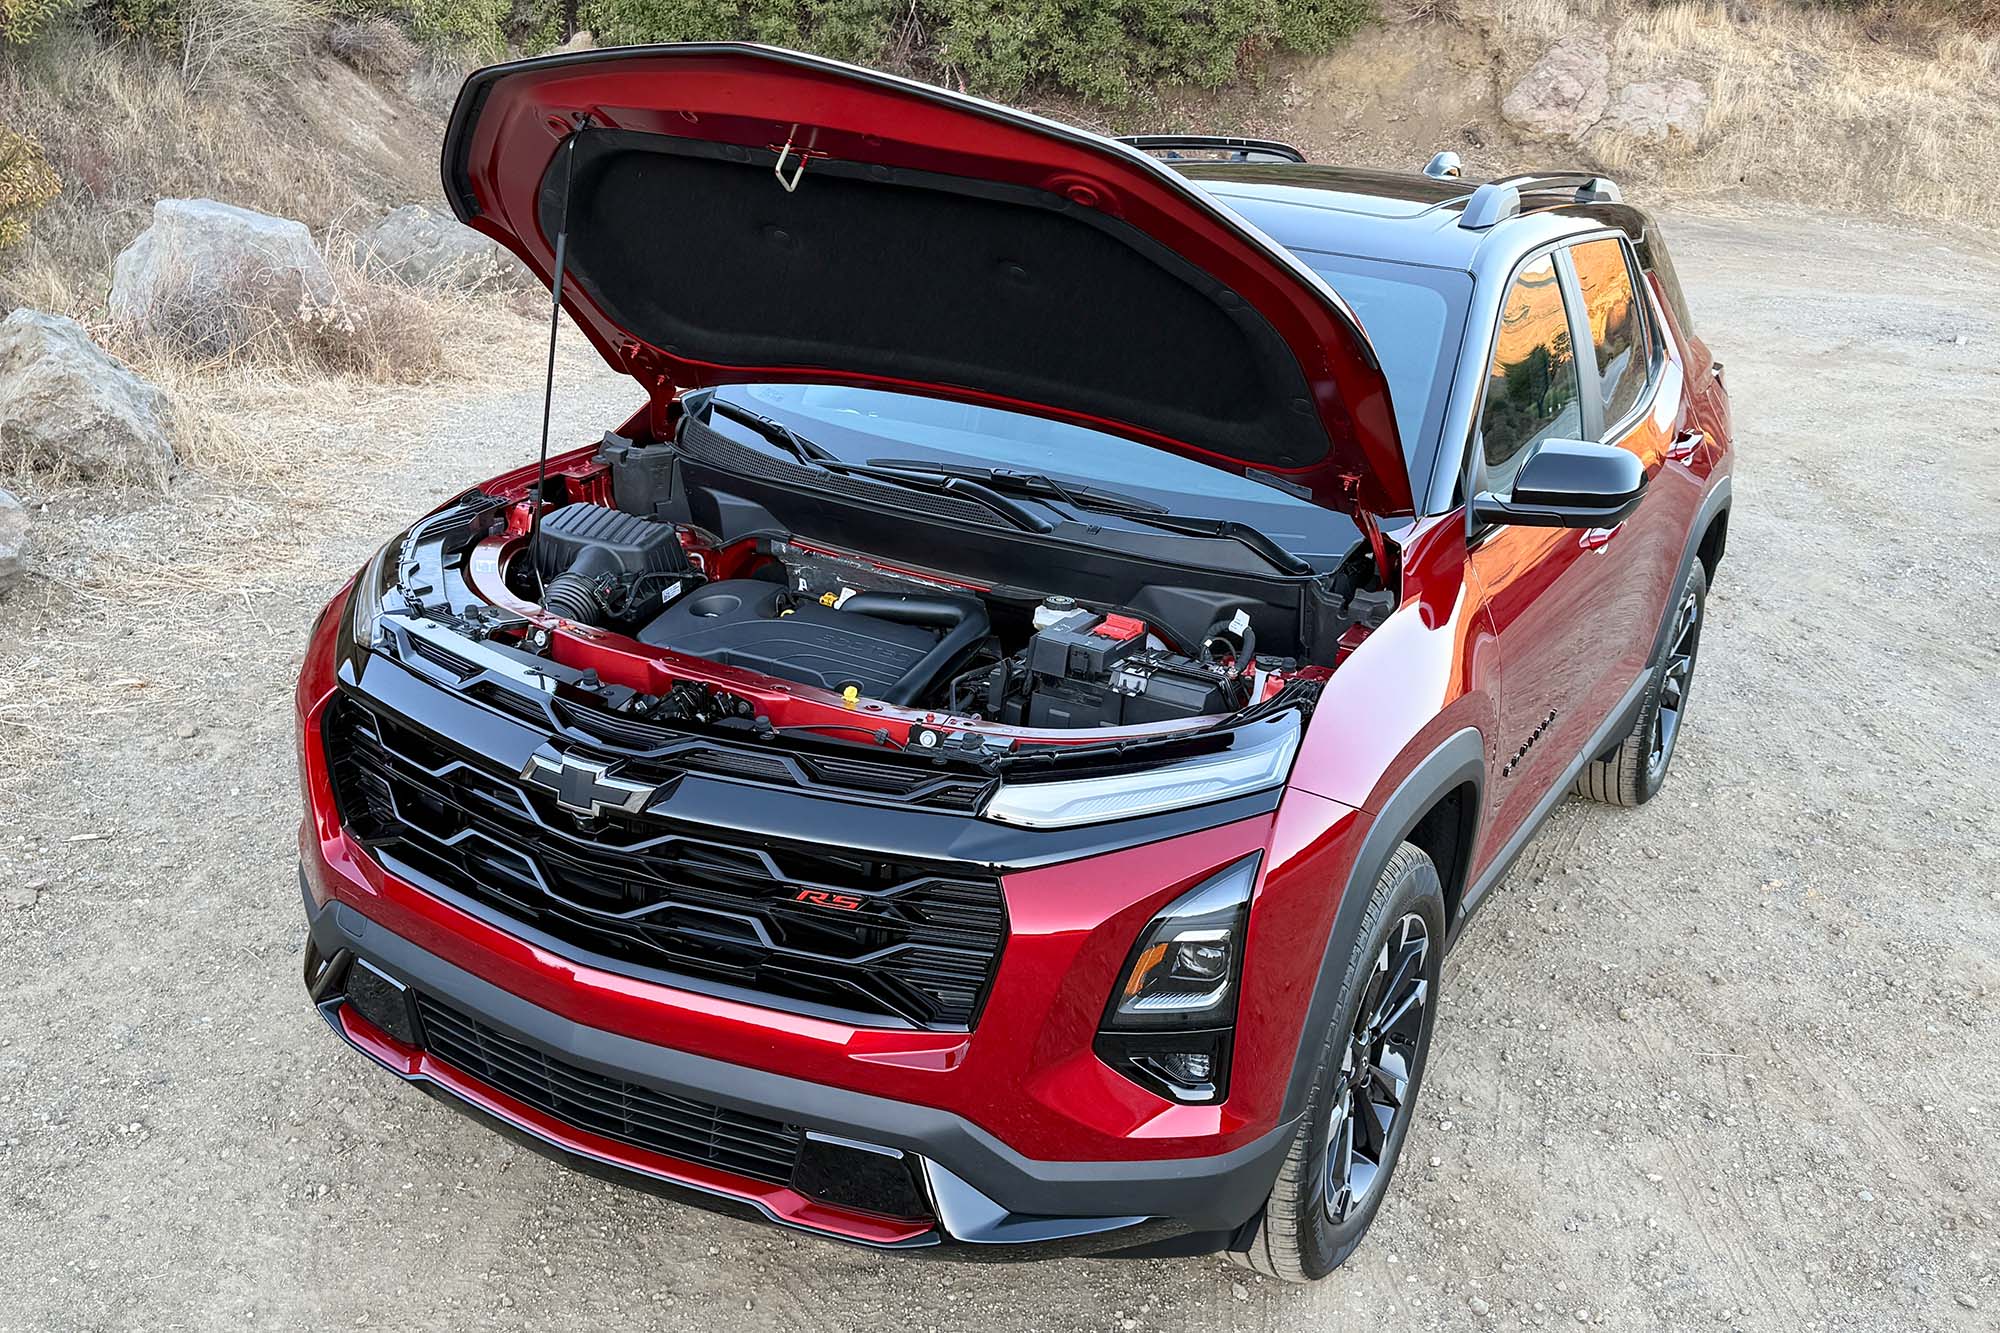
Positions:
(1636, 768)
(1307, 1227)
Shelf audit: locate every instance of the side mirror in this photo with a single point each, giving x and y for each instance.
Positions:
(1569, 484)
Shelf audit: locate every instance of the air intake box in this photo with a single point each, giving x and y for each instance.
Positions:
(618, 543)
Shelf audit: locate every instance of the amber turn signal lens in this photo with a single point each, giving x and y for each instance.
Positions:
(1142, 967)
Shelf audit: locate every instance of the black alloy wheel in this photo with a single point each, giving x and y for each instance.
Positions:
(1368, 1056)
(1372, 1092)
(1684, 639)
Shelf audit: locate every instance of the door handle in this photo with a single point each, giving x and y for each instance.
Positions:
(1684, 445)
(1596, 539)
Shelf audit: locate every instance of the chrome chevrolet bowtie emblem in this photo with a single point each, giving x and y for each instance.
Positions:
(584, 788)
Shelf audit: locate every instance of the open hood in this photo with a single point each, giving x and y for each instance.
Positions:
(739, 213)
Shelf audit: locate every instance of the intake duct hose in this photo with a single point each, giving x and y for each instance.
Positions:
(578, 597)
(962, 618)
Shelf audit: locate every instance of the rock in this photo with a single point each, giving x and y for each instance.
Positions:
(422, 248)
(1566, 92)
(1674, 109)
(68, 405)
(13, 542)
(187, 731)
(1478, 1306)
(210, 278)
(1239, 1291)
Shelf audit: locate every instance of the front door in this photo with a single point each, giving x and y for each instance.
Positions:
(1560, 600)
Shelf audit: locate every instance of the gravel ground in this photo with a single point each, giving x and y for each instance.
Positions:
(1732, 1060)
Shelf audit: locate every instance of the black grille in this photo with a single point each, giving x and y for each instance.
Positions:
(670, 752)
(845, 931)
(680, 1127)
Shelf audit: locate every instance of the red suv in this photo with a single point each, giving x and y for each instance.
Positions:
(994, 751)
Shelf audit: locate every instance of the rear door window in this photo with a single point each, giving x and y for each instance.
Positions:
(1531, 384)
(1617, 325)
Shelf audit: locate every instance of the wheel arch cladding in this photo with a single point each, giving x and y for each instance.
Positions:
(1714, 539)
(1442, 796)
(1712, 519)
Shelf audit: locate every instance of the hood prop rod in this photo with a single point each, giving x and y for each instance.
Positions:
(549, 379)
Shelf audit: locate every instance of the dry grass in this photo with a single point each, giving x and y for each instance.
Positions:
(121, 130)
(233, 41)
(340, 321)
(373, 46)
(1422, 12)
(1805, 105)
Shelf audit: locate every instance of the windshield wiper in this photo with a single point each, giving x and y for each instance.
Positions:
(777, 432)
(818, 456)
(1109, 502)
(1100, 501)
(1228, 529)
(1036, 484)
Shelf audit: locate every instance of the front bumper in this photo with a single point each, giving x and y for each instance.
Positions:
(972, 1187)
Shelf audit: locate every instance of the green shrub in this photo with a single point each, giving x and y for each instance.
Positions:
(470, 27)
(155, 23)
(1101, 49)
(27, 185)
(1106, 49)
(22, 21)
(844, 29)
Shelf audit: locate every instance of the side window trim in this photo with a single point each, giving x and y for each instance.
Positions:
(1613, 431)
(1583, 348)
(1472, 467)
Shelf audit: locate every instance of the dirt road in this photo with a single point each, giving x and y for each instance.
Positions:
(1732, 1060)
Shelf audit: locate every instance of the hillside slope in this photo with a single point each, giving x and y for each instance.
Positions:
(1787, 105)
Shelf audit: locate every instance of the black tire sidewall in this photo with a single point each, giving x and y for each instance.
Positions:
(1409, 884)
(1650, 782)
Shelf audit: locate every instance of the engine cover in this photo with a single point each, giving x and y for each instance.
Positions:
(755, 625)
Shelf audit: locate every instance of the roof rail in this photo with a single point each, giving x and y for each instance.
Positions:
(1174, 146)
(1498, 200)
(1444, 166)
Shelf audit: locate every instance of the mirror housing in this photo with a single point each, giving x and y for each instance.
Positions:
(1568, 484)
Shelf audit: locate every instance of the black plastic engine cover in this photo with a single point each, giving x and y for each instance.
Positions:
(742, 623)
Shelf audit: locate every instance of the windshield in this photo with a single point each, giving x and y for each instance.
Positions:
(1414, 315)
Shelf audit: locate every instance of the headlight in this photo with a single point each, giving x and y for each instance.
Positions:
(1169, 1022)
(371, 585)
(1182, 972)
(1259, 758)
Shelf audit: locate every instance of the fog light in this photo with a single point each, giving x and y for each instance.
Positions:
(1190, 1066)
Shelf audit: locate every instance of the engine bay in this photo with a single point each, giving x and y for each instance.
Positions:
(865, 633)
(670, 596)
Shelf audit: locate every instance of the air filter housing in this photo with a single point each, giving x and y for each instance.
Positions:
(606, 541)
